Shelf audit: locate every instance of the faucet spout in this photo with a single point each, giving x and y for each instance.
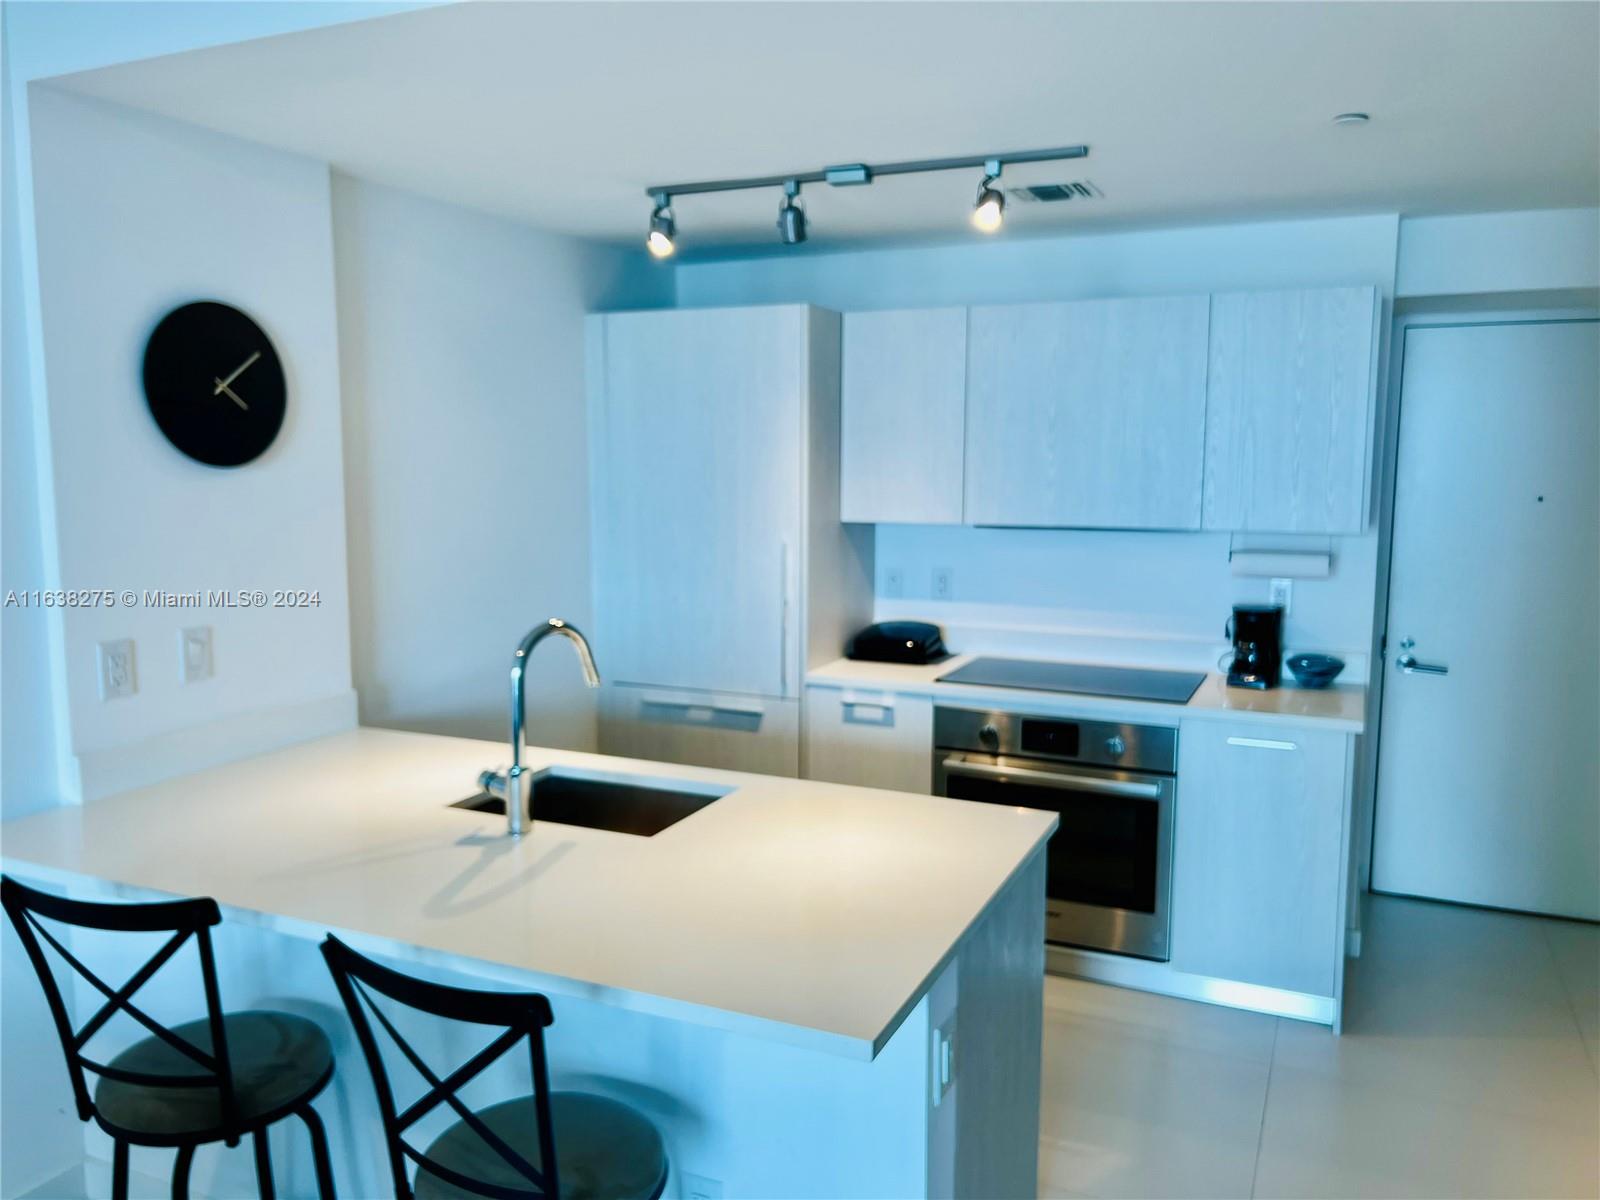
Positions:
(515, 785)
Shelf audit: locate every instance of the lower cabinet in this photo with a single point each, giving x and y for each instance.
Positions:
(869, 739)
(702, 729)
(1258, 854)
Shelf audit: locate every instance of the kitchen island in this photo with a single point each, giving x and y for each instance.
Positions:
(773, 979)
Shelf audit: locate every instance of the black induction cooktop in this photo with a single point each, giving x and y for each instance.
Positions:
(1121, 683)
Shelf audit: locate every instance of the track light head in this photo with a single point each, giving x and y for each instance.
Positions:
(791, 217)
(988, 211)
(661, 241)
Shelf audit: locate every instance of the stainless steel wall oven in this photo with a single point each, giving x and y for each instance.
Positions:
(1115, 788)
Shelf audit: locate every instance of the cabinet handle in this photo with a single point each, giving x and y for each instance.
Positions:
(1261, 743)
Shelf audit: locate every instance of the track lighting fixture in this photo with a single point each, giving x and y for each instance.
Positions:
(987, 212)
(662, 238)
(791, 217)
(990, 208)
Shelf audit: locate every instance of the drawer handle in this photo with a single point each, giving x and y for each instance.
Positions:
(867, 712)
(1261, 743)
(700, 704)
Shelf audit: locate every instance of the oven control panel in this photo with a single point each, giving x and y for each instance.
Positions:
(1100, 743)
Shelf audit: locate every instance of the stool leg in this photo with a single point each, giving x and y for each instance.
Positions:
(319, 1151)
(180, 1173)
(258, 1139)
(119, 1171)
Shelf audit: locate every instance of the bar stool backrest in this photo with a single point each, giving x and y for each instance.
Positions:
(521, 1014)
(184, 919)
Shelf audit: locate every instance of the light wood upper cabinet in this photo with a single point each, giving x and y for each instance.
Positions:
(1258, 856)
(1289, 420)
(904, 409)
(698, 426)
(1088, 414)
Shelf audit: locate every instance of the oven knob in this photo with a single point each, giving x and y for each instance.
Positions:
(1115, 746)
(990, 737)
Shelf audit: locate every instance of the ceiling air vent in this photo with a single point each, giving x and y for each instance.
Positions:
(1050, 193)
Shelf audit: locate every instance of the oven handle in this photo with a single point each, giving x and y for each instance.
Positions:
(1054, 779)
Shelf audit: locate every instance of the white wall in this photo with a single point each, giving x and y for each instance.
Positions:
(467, 474)
(1059, 590)
(136, 215)
(1549, 250)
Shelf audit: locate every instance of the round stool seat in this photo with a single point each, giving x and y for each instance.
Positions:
(604, 1150)
(279, 1061)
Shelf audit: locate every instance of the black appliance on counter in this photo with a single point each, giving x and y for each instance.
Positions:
(914, 642)
(1257, 631)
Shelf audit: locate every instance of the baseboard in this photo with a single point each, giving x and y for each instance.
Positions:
(1146, 976)
(117, 769)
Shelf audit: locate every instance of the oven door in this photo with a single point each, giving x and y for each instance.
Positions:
(1109, 863)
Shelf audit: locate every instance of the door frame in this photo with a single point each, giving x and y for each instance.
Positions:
(1436, 312)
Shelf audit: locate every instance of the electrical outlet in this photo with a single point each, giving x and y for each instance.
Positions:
(194, 653)
(117, 676)
(944, 1060)
(698, 1187)
(943, 583)
(1280, 593)
(894, 582)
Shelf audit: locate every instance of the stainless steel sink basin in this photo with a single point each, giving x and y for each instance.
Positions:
(620, 803)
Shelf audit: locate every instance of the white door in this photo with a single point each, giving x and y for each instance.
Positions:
(1089, 414)
(697, 430)
(1489, 775)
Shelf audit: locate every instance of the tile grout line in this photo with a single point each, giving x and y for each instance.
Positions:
(1566, 994)
(1266, 1096)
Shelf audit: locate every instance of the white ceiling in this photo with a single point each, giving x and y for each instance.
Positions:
(561, 114)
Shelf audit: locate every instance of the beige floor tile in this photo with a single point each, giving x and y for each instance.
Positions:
(1576, 949)
(1519, 1055)
(1143, 1107)
(1326, 1136)
(1147, 1017)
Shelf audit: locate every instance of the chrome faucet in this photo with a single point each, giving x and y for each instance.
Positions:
(515, 784)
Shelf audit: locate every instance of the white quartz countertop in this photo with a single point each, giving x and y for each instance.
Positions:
(1341, 707)
(806, 912)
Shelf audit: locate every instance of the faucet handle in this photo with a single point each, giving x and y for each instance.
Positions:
(493, 782)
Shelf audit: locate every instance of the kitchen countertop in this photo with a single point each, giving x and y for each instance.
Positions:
(1341, 707)
(811, 913)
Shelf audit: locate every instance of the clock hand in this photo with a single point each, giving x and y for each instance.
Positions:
(222, 387)
(222, 384)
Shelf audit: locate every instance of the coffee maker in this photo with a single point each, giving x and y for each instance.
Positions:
(1257, 631)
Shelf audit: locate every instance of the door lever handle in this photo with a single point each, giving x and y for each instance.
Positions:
(1409, 664)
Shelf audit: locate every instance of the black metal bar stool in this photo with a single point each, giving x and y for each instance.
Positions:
(547, 1146)
(209, 1080)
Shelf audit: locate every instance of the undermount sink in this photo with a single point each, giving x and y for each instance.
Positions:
(619, 803)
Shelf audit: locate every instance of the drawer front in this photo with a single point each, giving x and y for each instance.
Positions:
(702, 729)
(869, 739)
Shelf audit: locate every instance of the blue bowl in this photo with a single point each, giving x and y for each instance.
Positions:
(1315, 670)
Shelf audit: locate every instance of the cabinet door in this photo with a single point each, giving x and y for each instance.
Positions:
(697, 433)
(869, 739)
(1090, 413)
(904, 414)
(1256, 864)
(1289, 415)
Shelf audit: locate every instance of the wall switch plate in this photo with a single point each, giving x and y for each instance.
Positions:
(943, 583)
(698, 1187)
(117, 676)
(194, 653)
(894, 582)
(1280, 592)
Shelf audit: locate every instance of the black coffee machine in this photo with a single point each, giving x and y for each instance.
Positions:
(1257, 631)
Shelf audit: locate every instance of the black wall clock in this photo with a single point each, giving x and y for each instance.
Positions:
(214, 383)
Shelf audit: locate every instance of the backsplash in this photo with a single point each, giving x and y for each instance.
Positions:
(1151, 599)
